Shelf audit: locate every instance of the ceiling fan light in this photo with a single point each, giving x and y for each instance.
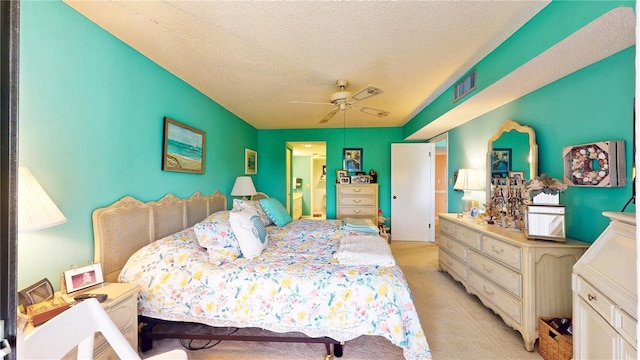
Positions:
(366, 93)
(374, 112)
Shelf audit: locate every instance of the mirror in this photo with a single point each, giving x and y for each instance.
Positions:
(513, 148)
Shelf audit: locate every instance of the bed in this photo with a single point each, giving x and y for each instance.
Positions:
(295, 285)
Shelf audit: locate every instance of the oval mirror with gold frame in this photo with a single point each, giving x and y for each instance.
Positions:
(512, 151)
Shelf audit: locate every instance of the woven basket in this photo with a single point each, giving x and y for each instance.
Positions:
(553, 345)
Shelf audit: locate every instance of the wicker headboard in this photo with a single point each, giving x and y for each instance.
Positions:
(127, 225)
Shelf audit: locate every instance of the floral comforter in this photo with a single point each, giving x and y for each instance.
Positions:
(294, 285)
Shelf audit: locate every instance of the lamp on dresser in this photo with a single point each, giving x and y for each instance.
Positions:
(468, 180)
(243, 187)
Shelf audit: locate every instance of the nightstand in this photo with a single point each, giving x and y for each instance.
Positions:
(122, 307)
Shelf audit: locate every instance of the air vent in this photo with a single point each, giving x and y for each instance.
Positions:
(464, 86)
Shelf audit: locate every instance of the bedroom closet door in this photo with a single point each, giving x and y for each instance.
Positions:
(413, 192)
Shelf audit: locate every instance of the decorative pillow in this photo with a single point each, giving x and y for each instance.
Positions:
(275, 211)
(253, 205)
(215, 234)
(250, 232)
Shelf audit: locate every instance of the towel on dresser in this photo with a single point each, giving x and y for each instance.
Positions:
(364, 250)
(362, 225)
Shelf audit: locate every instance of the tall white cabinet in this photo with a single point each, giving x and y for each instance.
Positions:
(605, 295)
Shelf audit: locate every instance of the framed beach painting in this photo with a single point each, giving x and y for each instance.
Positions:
(250, 162)
(183, 148)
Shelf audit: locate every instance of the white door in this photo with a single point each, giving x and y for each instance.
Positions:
(413, 192)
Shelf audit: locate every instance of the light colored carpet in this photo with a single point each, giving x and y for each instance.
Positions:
(456, 324)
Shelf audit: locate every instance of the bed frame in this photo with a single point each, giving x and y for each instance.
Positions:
(127, 225)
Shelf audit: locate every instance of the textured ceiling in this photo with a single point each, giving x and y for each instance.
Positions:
(256, 58)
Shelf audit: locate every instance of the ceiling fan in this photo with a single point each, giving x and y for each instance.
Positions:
(343, 99)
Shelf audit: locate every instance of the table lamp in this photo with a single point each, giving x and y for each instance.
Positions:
(36, 210)
(243, 187)
(468, 180)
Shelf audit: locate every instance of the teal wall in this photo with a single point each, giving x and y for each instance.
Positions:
(376, 154)
(590, 105)
(90, 130)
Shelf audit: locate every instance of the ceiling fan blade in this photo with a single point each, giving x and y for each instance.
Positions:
(374, 112)
(310, 102)
(328, 117)
(366, 93)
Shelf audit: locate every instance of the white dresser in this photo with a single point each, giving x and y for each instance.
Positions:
(519, 279)
(357, 201)
(605, 295)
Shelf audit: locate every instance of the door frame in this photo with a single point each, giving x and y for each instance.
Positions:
(443, 137)
(9, 72)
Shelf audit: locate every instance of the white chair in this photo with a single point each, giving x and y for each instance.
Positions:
(77, 326)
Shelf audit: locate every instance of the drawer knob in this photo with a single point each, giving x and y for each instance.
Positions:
(357, 211)
(591, 297)
(357, 201)
(497, 251)
(490, 293)
(357, 190)
(486, 269)
(450, 246)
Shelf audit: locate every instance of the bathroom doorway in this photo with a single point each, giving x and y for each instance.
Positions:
(308, 185)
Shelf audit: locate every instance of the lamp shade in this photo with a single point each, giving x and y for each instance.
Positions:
(36, 210)
(468, 179)
(243, 187)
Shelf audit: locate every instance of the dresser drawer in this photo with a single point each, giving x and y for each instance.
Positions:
(345, 211)
(357, 201)
(469, 237)
(357, 190)
(447, 227)
(505, 277)
(596, 300)
(453, 247)
(455, 267)
(627, 326)
(503, 252)
(502, 302)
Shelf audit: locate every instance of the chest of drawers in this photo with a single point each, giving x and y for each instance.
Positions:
(357, 201)
(519, 279)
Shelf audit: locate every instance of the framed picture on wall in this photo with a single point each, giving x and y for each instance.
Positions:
(352, 159)
(500, 160)
(250, 162)
(183, 148)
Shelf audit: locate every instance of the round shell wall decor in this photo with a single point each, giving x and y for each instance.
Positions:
(599, 164)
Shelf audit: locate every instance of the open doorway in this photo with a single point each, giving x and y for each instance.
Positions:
(441, 166)
(307, 184)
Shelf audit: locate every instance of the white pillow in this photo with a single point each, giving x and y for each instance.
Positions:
(254, 205)
(250, 232)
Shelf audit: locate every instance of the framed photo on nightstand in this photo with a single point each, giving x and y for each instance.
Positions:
(82, 278)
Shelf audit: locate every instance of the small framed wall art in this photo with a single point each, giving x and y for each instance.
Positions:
(183, 149)
(250, 162)
(352, 159)
(599, 164)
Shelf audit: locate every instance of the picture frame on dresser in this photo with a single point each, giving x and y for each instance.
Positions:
(344, 180)
(352, 159)
(183, 147)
